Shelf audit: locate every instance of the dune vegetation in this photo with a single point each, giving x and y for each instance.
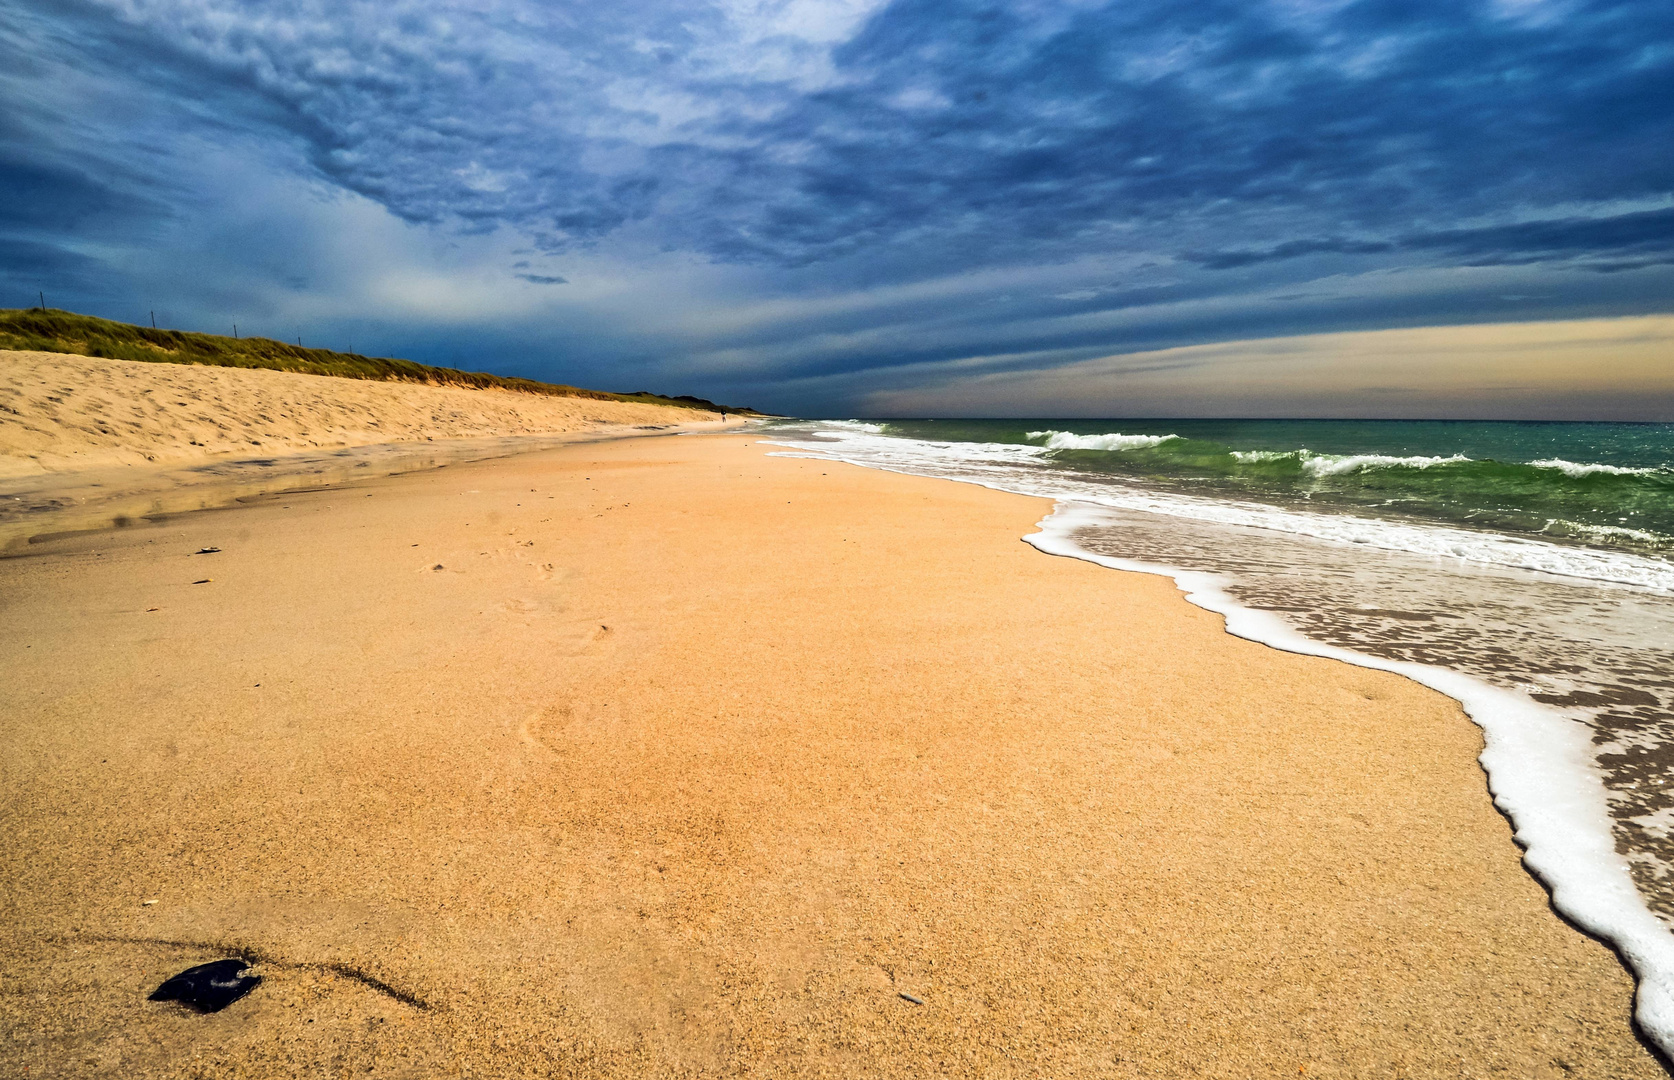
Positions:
(52, 330)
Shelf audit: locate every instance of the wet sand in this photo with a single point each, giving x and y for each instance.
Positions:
(664, 757)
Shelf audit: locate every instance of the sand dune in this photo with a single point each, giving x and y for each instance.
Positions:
(72, 413)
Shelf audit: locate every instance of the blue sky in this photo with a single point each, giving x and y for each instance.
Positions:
(830, 206)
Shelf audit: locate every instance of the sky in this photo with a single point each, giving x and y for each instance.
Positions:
(878, 207)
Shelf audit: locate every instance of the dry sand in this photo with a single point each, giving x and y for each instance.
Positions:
(61, 413)
(87, 443)
(664, 757)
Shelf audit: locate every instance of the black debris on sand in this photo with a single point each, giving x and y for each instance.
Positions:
(208, 987)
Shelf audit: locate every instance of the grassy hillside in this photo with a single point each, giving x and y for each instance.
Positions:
(51, 330)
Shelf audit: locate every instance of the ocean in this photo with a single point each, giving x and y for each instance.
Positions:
(1525, 569)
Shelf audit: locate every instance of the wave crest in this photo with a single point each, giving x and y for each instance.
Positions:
(1069, 440)
(1339, 464)
(1575, 470)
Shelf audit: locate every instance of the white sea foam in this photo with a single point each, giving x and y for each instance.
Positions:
(1069, 440)
(987, 464)
(1577, 470)
(1604, 532)
(1539, 773)
(1338, 464)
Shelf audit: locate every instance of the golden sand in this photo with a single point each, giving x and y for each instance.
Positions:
(62, 413)
(665, 757)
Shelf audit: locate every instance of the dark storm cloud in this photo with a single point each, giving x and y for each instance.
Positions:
(41, 262)
(49, 211)
(58, 200)
(1201, 142)
(971, 129)
(964, 129)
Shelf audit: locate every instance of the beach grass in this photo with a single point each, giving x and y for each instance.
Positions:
(53, 330)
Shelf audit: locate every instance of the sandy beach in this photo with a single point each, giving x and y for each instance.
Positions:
(666, 757)
(89, 443)
(61, 413)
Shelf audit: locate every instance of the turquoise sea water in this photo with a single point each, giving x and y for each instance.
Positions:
(1610, 485)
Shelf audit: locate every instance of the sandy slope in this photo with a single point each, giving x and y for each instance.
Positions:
(60, 412)
(668, 758)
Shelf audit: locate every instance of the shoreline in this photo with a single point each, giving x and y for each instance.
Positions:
(671, 782)
(1537, 760)
(1532, 759)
